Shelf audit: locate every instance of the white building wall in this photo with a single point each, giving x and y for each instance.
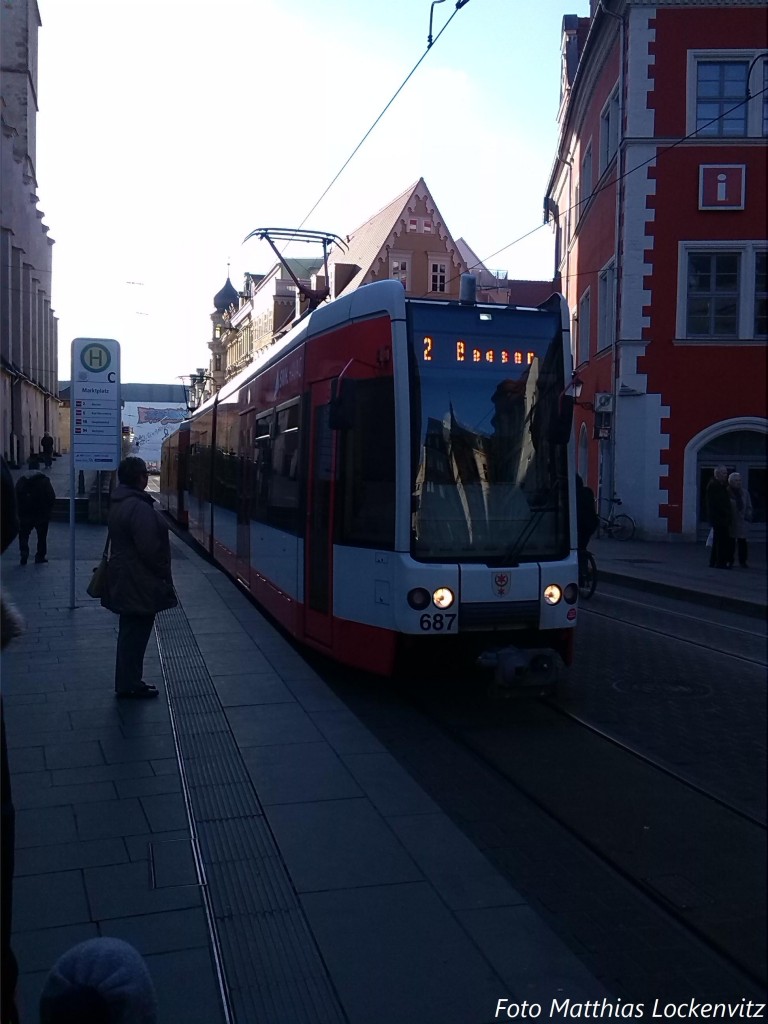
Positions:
(639, 440)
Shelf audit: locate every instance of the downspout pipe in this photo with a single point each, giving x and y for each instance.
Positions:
(618, 240)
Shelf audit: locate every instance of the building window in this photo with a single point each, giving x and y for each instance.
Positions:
(586, 177)
(426, 226)
(582, 334)
(722, 291)
(761, 296)
(413, 224)
(720, 83)
(713, 295)
(438, 276)
(721, 86)
(606, 303)
(217, 361)
(609, 131)
(400, 272)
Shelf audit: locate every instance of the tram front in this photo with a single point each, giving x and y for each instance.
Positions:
(492, 482)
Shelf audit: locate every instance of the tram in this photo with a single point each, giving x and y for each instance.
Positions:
(395, 475)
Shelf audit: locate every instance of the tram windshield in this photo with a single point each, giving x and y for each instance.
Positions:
(489, 478)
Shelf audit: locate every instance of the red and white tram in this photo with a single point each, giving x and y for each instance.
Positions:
(397, 473)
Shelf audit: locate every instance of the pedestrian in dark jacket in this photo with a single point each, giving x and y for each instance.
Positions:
(35, 498)
(719, 515)
(139, 581)
(586, 521)
(46, 444)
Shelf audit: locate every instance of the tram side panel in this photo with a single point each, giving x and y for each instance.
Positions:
(173, 474)
(272, 512)
(198, 493)
(226, 472)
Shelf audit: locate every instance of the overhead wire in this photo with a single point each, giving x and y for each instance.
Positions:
(430, 45)
(614, 181)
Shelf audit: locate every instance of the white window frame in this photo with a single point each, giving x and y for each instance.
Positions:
(758, 249)
(413, 223)
(438, 261)
(428, 226)
(609, 130)
(402, 259)
(755, 108)
(606, 305)
(747, 250)
(583, 335)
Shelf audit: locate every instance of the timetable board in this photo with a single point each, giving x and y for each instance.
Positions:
(95, 403)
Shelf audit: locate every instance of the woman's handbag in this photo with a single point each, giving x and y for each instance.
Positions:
(98, 585)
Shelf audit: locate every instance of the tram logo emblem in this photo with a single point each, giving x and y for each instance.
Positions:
(500, 583)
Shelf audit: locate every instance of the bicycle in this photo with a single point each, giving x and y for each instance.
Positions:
(587, 575)
(618, 526)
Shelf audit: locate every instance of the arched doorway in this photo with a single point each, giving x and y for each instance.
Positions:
(742, 448)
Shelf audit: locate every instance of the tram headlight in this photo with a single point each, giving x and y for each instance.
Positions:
(442, 598)
(418, 598)
(552, 593)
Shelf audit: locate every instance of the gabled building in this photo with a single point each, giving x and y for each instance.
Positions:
(409, 241)
(658, 198)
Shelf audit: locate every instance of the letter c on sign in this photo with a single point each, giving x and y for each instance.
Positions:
(111, 377)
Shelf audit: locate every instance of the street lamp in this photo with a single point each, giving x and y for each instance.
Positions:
(573, 391)
(194, 388)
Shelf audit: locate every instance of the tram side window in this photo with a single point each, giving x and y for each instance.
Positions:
(366, 485)
(262, 467)
(283, 501)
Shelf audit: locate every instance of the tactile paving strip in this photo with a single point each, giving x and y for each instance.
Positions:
(271, 967)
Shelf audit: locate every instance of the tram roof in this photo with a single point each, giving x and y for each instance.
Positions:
(380, 296)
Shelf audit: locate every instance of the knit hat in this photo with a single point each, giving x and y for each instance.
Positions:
(101, 981)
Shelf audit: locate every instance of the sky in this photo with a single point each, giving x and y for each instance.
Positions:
(168, 130)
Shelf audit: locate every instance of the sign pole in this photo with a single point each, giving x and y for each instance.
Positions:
(95, 434)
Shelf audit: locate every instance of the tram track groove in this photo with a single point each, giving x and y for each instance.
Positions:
(572, 716)
(580, 834)
(760, 663)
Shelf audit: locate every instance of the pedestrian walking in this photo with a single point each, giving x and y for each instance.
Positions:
(741, 514)
(46, 444)
(139, 580)
(104, 981)
(35, 498)
(718, 502)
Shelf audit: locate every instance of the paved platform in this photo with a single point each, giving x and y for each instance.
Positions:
(682, 570)
(266, 854)
(261, 848)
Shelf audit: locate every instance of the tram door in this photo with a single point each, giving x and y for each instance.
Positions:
(318, 550)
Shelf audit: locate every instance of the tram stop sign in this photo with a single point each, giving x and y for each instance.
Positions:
(95, 408)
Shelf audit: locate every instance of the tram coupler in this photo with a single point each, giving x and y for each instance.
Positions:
(522, 670)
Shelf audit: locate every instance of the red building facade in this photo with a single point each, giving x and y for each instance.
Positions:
(658, 195)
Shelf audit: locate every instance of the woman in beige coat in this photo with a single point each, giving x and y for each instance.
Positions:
(741, 514)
